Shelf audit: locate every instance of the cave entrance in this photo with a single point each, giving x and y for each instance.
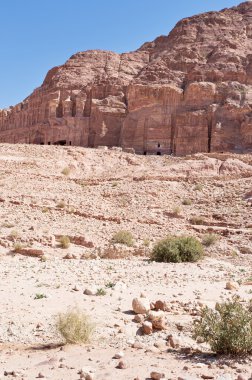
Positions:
(145, 153)
(60, 142)
(158, 153)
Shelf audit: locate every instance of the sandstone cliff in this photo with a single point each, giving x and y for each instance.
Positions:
(190, 91)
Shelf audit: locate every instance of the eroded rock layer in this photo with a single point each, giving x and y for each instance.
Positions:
(190, 91)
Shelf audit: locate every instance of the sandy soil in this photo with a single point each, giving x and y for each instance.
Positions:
(101, 193)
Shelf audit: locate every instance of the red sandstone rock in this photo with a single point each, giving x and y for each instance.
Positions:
(190, 91)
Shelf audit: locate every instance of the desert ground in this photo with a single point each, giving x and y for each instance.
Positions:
(47, 192)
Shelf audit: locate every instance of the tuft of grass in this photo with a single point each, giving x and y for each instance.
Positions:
(197, 220)
(101, 292)
(177, 249)
(227, 329)
(209, 239)
(146, 242)
(61, 204)
(8, 225)
(66, 171)
(186, 202)
(14, 235)
(17, 247)
(123, 237)
(75, 326)
(198, 187)
(39, 296)
(64, 242)
(110, 285)
(176, 211)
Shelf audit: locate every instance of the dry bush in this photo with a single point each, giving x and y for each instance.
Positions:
(75, 326)
(66, 171)
(123, 237)
(209, 239)
(64, 242)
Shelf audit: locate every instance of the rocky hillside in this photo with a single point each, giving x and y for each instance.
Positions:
(190, 91)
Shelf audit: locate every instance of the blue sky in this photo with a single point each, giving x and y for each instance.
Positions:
(36, 35)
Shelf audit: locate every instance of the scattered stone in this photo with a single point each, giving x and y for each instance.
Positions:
(90, 291)
(139, 318)
(157, 375)
(141, 306)
(147, 328)
(161, 305)
(231, 285)
(119, 355)
(122, 365)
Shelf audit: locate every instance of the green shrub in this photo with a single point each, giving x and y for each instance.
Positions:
(123, 237)
(64, 242)
(177, 249)
(227, 329)
(75, 326)
(209, 239)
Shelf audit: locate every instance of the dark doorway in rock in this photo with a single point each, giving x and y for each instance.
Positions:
(158, 145)
(145, 153)
(49, 143)
(158, 153)
(42, 143)
(60, 142)
(70, 142)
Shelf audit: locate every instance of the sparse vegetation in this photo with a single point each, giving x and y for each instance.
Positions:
(123, 237)
(198, 187)
(186, 202)
(75, 326)
(209, 239)
(176, 211)
(177, 249)
(227, 329)
(101, 292)
(14, 235)
(64, 242)
(66, 171)
(17, 247)
(197, 220)
(110, 285)
(61, 204)
(8, 225)
(146, 242)
(39, 296)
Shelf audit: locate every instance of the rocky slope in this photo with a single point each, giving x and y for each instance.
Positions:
(89, 195)
(190, 91)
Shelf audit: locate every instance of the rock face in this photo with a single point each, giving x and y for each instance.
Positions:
(190, 91)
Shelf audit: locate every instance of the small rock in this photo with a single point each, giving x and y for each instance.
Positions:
(139, 318)
(122, 365)
(157, 375)
(119, 355)
(159, 323)
(141, 306)
(147, 328)
(174, 342)
(161, 305)
(41, 376)
(231, 285)
(90, 292)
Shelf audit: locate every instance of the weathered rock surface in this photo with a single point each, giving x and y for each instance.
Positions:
(190, 91)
